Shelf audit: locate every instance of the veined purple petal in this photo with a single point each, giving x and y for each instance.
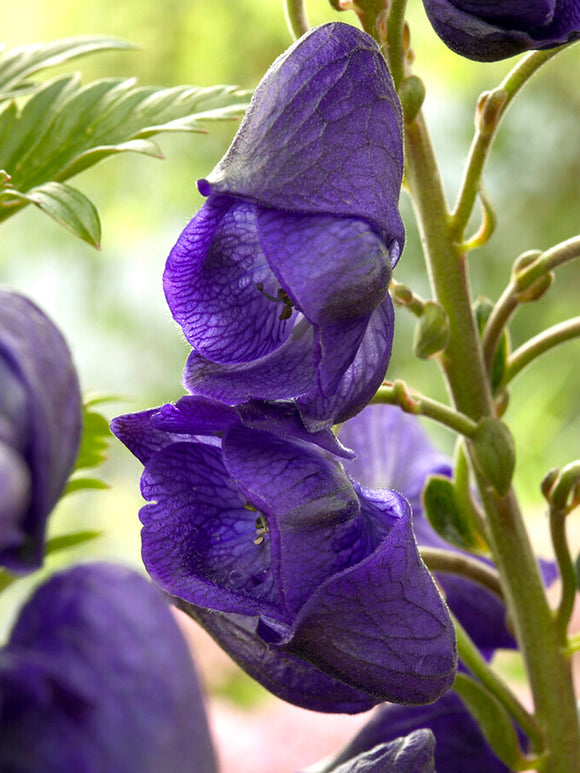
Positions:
(497, 30)
(97, 677)
(322, 134)
(459, 743)
(282, 673)
(200, 536)
(281, 375)
(306, 499)
(43, 425)
(361, 379)
(220, 287)
(411, 754)
(384, 620)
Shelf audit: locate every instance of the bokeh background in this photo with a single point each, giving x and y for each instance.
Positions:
(110, 304)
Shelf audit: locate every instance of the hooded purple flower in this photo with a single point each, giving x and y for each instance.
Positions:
(40, 425)
(280, 281)
(459, 743)
(97, 677)
(488, 31)
(310, 581)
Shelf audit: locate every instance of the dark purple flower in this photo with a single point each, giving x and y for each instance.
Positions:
(459, 743)
(488, 31)
(413, 753)
(40, 425)
(280, 282)
(310, 581)
(97, 677)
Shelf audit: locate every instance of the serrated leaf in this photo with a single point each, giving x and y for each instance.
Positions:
(68, 206)
(65, 128)
(492, 718)
(65, 541)
(95, 440)
(17, 64)
(444, 512)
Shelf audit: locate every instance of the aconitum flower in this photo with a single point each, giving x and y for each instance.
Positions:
(97, 677)
(280, 282)
(310, 581)
(488, 31)
(459, 742)
(40, 425)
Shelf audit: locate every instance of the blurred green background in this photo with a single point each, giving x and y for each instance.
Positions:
(110, 303)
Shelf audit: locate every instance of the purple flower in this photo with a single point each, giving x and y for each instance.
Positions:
(488, 31)
(310, 581)
(280, 281)
(459, 742)
(40, 424)
(97, 677)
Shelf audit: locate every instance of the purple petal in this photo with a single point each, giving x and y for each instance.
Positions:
(492, 31)
(460, 745)
(361, 380)
(283, 674)
(96, 676)
(322, 134)
(337, 292)
(411, 754)
(220, 288)
(392, 451)
(306, 506)
(384, 621)
(36, 363)
(199, 535)
(282, 375)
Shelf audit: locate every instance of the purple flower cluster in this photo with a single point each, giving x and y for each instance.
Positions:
(311, 581)
(488, 31)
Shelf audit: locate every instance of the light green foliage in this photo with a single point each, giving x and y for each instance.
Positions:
(64, 127)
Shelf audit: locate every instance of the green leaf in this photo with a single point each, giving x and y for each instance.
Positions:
(67, 206)
(65, 541)
(81, 484)
(95, 440)
(17, 64)
(64, 128)
(492, 718)
(444, 512)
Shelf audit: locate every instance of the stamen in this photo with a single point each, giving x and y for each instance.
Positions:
(281, 297)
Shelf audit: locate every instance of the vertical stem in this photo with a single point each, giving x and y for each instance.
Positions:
(468, 385)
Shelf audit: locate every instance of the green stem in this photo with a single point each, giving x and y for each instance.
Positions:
(412, 402)
(483, 140)
(567, 572)
(395, 40)
(561, 253)
(479, 667)
(540, 344)
(296, 18)
(437, 560)
(463, 365)
(496, 323)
